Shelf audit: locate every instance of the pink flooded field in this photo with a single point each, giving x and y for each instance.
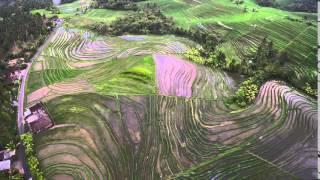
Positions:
(174, 75)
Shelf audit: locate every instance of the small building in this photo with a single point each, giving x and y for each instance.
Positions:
(6, 157)
(5, 165)
(27, 113)
(6, 154)
(38, 118)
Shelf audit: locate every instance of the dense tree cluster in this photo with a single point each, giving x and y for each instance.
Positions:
(207, 40)
(7, 112)
(291, 5)
(118, 4)
(18, 26)
(20, 34)
(148, 20)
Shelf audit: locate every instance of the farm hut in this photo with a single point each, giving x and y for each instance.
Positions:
(5, 165)
(38, 118)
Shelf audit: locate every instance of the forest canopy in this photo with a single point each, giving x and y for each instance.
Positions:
(20, 34)
(291, 5)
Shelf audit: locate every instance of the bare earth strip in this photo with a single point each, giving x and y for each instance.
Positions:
(58, 89)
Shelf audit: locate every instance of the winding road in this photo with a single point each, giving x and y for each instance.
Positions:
(21, 97)
(23, 77)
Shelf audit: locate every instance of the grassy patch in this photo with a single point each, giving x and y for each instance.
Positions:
(139, 78)
(35, 81)
(52, 76)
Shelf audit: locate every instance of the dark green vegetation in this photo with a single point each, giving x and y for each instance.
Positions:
(148, 20)
(67, 1)
(33, 162)
(7, 113)
(27, 28)
(291, 5)
(20, 35)
(118, 4)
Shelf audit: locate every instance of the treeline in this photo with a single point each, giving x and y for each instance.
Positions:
(16, 29)
(20, 34)
(291, 5)
(148, 20)
(67, 1)
(18, 25)
(118, 4)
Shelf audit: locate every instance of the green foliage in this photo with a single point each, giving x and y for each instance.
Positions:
(33, 162)
(291, 5)
(15, 175)
(309, 90)
(134, 75)
(11, 145)
(27, 142)
(20, 34)
(7, 112)
(207, 57)
(148, 20)
(246, 93)
(195, 55)
(12, 174)
(218, 59)
(18, 27)
(118, 5)
(248, 90)
(238, 2)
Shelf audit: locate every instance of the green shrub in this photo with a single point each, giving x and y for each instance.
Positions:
(246, 93)
(33, 162)
(194, 55)
(309, 90)
(218, 59)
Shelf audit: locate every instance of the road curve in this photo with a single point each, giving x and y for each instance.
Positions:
(20, 107)
(23, 77)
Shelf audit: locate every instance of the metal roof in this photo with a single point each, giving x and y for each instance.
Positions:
(5, 165)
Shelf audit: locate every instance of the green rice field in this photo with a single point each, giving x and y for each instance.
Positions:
(133, 106)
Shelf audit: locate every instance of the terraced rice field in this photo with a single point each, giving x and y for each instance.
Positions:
(161, 117)
(177, 77)
(161, 137)
(109, 65)
(242, 31)
(131, 107)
